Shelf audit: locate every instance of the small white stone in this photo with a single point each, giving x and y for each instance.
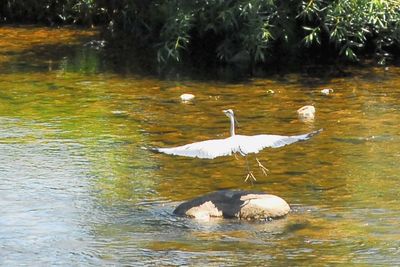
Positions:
(270, 91)
(187, 97)
(306, 113)
(118, 112)
(326, 91)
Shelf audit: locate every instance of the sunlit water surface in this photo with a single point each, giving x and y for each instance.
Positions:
(77, 186)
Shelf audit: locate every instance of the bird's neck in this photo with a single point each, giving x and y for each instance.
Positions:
(232, 125)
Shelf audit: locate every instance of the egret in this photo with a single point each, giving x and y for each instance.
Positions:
(235, 144)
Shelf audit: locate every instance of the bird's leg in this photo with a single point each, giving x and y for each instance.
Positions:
(263, 169)
(249, 173)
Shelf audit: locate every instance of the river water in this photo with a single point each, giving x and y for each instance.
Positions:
(77, 186)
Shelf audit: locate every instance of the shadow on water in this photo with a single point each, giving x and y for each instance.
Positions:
(85, 51)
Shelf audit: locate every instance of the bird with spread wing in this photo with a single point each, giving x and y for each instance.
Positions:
(235, 144)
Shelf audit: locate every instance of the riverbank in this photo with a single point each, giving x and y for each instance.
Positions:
(246, 35)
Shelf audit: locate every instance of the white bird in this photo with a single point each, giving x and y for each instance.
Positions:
(235, 144)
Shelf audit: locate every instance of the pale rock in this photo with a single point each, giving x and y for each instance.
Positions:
(187, 97)
(326, 91)
(306, 113)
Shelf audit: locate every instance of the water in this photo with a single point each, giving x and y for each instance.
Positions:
(77, 187)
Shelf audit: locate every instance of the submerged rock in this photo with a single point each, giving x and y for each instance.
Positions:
(249, 205)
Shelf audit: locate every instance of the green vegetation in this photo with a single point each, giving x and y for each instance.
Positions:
(234, 31)
(51, 11)
(353, 26)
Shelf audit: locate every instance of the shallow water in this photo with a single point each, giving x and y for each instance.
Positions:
(77, 186)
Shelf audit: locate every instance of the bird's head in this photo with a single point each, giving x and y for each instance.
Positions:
(228, 112)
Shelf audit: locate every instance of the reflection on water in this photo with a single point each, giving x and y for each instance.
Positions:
(77, 187)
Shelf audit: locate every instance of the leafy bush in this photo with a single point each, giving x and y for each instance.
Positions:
(50, 11)
(236, 29)
(256, 30)
(353, 24)
(245, 31)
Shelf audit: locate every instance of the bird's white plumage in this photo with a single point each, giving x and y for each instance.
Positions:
(241, 144)
(208, 149)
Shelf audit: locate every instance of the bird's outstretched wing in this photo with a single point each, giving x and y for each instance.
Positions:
(242, 144)
(208, 149)
(255, 143)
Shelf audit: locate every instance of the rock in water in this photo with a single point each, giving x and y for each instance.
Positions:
(187, 97)
(247, 205)
(306, 113)
(326, 91)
